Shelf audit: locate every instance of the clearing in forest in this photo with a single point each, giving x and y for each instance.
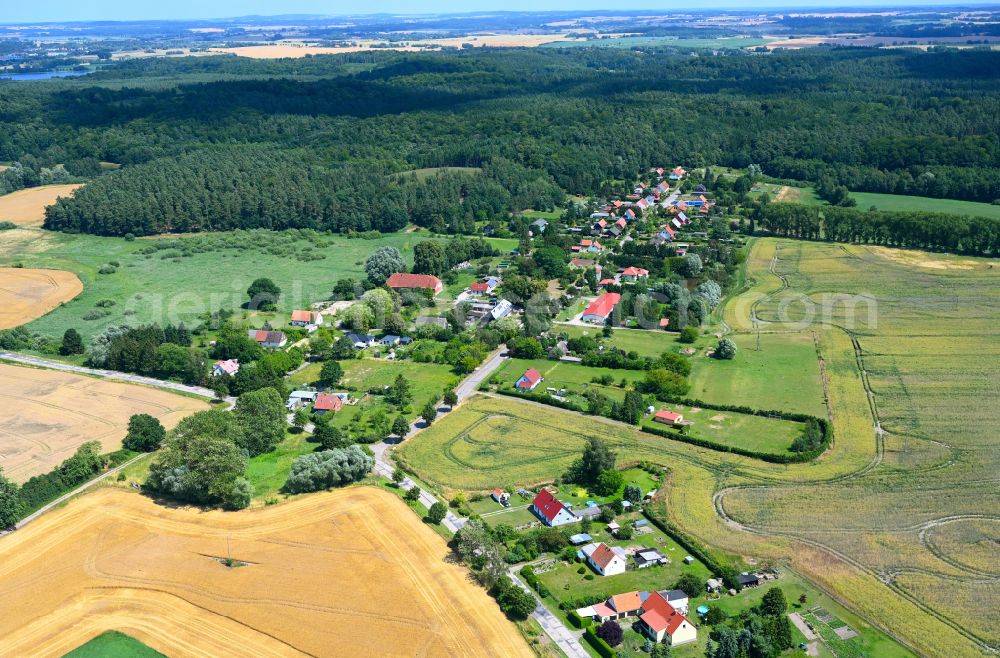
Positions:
(45, 415)
(27, 206)
(26, 294)
(349, 572)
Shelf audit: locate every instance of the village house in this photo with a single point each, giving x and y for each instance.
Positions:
(403, 282)
(501, 310)
(633, 274)
(677, 598)
(551, 512)
(229, 367)
(529, 380)
(661, 622)
(606, 560)
(327, 402)
(361, 341)
(601, 308)
(264, 338)
(539, 226)
(501, 497)
(480, 288)
(649, 557)
(306, 319)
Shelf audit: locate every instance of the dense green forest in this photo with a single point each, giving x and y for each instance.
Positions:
(223, 142)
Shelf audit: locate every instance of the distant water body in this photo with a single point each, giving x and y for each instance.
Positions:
(41, 76)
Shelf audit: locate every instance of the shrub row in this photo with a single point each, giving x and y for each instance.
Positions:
(543, 398)
(529, 577)
(600, 646)
(579, 622)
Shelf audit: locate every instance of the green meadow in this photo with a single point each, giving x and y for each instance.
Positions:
(195, 274)
(113, 644)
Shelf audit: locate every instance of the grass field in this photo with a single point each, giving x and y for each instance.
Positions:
(348, 572)
(204, 272)
(901, 202)
(113, 644)
(26, 294)
(927, 352)
(783, 374)
(45, 415)
(573, 377)
(27, 207)
(641, 341)
(269, 472)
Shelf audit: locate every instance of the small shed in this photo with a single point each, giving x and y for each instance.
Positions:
(581, 538)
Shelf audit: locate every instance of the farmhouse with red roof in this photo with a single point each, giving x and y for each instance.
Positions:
(327, 402)
(551, 511)
(401, 281)
(600, 309)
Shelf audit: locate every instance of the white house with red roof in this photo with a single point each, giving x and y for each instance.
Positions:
(401, 281)
(633, 274)
(266, 338)
(661, 622)
(551, 511)
(601, 308)
(306, 318)
(529, 380)
(606, 560)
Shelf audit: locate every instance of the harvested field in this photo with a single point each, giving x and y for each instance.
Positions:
(27, 294)
(350, 572)
(27, 207)
(296, 49)
(45, 415)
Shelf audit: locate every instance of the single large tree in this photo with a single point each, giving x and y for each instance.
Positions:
(72, 343)
(262, 420)
(145, 433)
(429, 258)
(263, 294)
(10, 503)
(611, 632)
(597, 458)
(330, 373)
(382, 263)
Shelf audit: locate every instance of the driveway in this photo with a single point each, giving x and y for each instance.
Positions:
(567, 639)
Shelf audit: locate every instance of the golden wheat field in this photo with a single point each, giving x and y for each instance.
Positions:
(45, 415)
(27, 294)
(27, 207)
(346, 573)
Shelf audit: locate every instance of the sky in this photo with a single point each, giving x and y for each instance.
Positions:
(13, 11)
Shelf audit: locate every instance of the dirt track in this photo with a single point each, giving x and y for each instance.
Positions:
(346, 573)
(27, 294)
(27, 206)
(45, 415)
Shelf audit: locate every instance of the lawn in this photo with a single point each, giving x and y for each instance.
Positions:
(902, 202)
(200, 273)
(427, 380)
(269, 472)
(573, 377)
(113, 644)
(567, 584)
(644, 342)
(783, 374)
(757, 433)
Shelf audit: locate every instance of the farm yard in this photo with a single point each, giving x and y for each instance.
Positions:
(643, 342)
(27, 294)
(27, 207)
(352, 569)
(46, 415)
(570, 376)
